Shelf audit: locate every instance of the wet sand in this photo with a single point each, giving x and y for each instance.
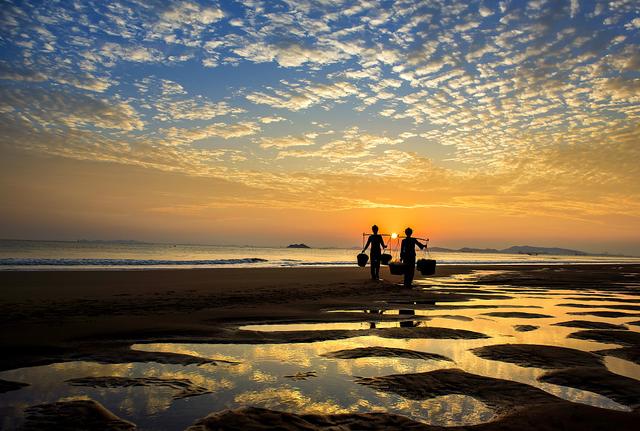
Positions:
(8, 385)
(538, 356)
(48, 316)
(74, 415)
(65, 316)
(546, 417)
(368, 352)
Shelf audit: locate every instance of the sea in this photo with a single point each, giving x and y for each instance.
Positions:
(87, 255)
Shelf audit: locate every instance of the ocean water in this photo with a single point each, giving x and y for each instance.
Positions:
(41, 255)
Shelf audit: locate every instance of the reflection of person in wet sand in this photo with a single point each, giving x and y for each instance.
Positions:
(377, 244)
(408, 255)
(407, 323)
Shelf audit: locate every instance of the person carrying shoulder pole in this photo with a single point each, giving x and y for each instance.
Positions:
(377, 244)
(408, 256)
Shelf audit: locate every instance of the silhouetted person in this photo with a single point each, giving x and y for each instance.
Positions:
(408, 256)
(377, 244)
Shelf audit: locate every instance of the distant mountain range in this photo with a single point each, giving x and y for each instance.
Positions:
(518, 249)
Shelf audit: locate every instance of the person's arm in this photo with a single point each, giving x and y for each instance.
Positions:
(367, 246)
(402, 247)
(421, 245)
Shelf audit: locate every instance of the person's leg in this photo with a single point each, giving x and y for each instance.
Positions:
(377, 270)
(374, 263)
(409, 269)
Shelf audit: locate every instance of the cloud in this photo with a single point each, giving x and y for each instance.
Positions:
(633, 24)
(112, 52)
(77, 79)
(497, 98)
(468, 25)
(55, 108)
(221, 130)
(286, 141)
(269, 120)
(575, 7)
(84, 81)
(619, 88)
(170, 101)
(193, 109)
(354, 144)
(290, 54)
(8, 72)
(304, 96)
(188, 13)
(485, 11)
(183, 22)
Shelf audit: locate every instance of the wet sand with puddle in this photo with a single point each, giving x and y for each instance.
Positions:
(488, 348)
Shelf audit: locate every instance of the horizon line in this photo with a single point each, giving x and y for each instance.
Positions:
(133, 241)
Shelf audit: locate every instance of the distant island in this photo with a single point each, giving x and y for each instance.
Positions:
(518, 249)
(298, 246)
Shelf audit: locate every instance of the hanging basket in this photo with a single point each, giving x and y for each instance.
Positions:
(426, 266)
(396, 267)
(362, 260)
(385, 258)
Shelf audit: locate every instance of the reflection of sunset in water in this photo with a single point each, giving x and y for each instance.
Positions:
(259, 376)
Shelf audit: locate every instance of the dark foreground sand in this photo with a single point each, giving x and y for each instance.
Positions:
(62, 316)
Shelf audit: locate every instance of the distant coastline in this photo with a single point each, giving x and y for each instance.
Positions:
(519, 249)
(115, 241)
(525, 249)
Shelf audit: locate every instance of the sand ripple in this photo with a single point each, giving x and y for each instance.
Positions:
(379, 351)
(74, 415)
(538, 356)
(621, 389)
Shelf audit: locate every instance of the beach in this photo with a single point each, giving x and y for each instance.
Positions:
(165, 301)
(188, 187)
(95, 317)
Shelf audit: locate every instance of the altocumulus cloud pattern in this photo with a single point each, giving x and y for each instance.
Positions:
(483, 101)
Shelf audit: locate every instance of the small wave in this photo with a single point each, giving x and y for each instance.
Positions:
(124, 262)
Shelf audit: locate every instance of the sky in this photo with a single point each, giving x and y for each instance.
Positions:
(477, 123)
